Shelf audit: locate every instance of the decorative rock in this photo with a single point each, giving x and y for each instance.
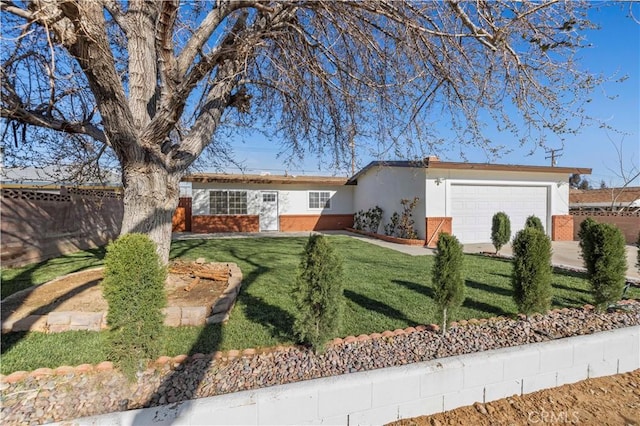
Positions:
(200, 261)
(375, 335)
(409, 330)
(198, 356)
(223, 304)
(64, 370)
(421, 327)
(217, 355)
(363, 337)
(91, 321)
(172, 316)
(163, 360)
(350, 339)
(249, 352)
(59, 318)
(41, 372)
(398, 332)
(193, 315)
(104, 366)
(179, 359)
(434, 327)
(463, 322)
(234, 353)
(218, 318)
(16, 376)
(387, 333)
(84, 368)
(337, 341)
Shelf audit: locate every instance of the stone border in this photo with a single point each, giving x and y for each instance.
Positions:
(175, 316)
(174, 362)
(397, 240)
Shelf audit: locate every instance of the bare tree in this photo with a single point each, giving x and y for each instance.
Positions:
(626, 173)
(158, 82)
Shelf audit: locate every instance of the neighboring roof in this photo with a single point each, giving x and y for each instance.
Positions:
(629, 196)
(265, 179)
(434, 163)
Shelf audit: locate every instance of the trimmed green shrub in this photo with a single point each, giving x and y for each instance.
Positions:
(447, 276)
(318, 298)
(532, 271)
(534, 222)
(500, 230)
(134, 287)
(604, 255)
(586, 245)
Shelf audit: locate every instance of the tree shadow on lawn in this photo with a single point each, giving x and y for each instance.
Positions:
(484, 307)
(418, 288)
(488, 288)
(192, 373)
(377, 306)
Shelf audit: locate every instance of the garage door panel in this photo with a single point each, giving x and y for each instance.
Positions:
(473, 207)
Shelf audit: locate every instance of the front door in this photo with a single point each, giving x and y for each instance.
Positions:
(269, 211)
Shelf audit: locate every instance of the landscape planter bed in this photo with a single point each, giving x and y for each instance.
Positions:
(396, 240)
(65, 393)
(179, 312)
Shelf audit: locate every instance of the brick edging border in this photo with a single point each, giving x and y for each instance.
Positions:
(175, 361)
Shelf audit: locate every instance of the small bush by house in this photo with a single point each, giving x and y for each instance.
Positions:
(500, 230)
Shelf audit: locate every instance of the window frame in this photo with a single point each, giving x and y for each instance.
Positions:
(327, 204)
(234, 200)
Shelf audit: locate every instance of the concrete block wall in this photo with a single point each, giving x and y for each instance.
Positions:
(384, 395)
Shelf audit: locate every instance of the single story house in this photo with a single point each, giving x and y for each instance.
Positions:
(459, 198)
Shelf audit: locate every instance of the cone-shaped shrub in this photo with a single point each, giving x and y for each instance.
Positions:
(500, 230)
(133, 286)
(604, 255)
(447, 276)
(318, 294)
(586, 244)
(531, 275)
(534, 222)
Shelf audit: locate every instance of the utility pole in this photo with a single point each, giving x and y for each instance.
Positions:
(553, 155)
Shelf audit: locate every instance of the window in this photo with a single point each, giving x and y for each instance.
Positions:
(268, 198)
(319, 200)
(228, 202)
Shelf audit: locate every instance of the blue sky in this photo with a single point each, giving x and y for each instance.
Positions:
(615, 52)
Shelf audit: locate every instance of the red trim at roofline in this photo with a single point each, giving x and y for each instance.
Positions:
(265, 179)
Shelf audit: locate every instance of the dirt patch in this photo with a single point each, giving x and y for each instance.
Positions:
(613, 400)
(82, 292)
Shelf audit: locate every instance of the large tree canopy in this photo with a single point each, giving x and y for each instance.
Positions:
(154, 82)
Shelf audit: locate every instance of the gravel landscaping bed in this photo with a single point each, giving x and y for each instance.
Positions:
(71, 393)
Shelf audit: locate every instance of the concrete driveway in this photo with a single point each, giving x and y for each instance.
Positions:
(565, 253)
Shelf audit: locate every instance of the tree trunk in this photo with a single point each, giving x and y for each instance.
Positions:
(151, 196)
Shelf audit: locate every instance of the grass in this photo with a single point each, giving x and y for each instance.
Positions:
(16, 279)
(384, 290)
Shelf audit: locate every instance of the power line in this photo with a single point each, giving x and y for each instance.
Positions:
(553, 155)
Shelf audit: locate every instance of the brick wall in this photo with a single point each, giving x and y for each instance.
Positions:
(181, 221)
(562, 228)
(37, 226)
(629, 223)
(230, 223)
(325, 222)
(434, 227)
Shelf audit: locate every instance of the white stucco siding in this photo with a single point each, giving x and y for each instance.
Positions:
(386, 186)
(438, 187)
(292, 199)
(471, 197)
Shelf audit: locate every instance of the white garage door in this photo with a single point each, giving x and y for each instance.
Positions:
(473, 207)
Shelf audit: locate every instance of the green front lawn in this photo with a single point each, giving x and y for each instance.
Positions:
(384, 290)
